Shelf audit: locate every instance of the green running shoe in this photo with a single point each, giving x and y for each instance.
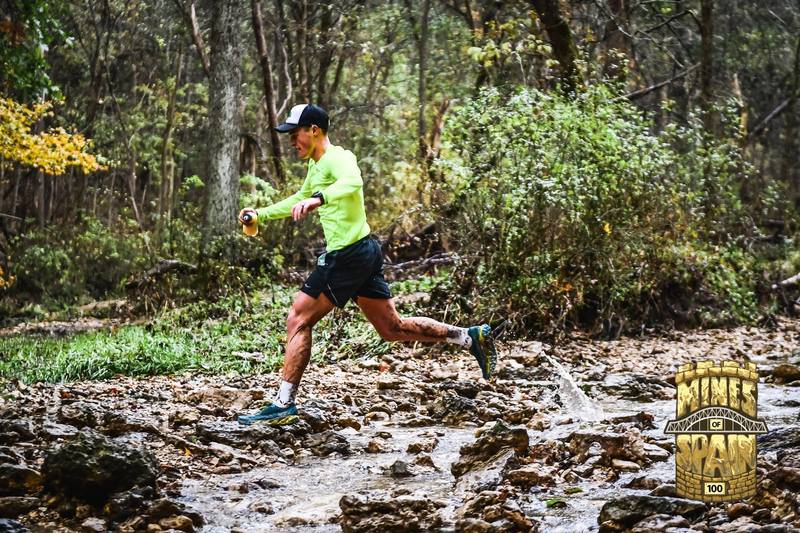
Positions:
(483, 349)
(272, 415)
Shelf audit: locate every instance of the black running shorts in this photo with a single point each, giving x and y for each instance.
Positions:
(355, 270)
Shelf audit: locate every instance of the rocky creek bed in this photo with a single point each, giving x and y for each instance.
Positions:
(564, 439)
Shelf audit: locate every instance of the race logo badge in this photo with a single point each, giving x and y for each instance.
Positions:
(715, 430)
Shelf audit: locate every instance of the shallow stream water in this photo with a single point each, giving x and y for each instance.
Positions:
(307, 493)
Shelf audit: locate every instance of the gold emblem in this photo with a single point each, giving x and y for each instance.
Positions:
(715, 430)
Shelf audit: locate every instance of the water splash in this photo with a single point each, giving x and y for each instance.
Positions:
(575, 400)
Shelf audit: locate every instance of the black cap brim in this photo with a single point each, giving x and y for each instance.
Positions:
(286, 128)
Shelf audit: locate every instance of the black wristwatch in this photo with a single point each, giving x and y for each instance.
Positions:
(318, 194)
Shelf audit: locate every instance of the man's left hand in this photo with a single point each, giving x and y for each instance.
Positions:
(303, 208)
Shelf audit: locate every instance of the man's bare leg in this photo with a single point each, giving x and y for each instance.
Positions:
(304, 315)
(391, 327)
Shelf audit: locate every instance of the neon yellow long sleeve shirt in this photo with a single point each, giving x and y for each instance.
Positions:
(337, 176)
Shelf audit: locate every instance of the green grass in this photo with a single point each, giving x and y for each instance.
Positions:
(201, 337)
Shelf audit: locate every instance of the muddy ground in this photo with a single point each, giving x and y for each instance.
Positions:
(568, 438)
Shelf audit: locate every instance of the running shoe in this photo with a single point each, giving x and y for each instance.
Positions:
(483, 349)
(272, 415)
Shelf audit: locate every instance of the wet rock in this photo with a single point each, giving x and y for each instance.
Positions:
(786, 477)
(124, 504)
(235, 434)
(222, 400)
(625, 466)
(735, 510)
(16, 430)
(18, 480)
(417, 421)
(492, 511)
(315, 417)
(81, 414)
(643, 482)
(641, 420)
(785, 438)
(425, 461)
(654, 453)
(389, 383)
(184, 416)
(467, 389)
(426, 445)
(533, 475)
(628, 510)
(660, 522)
(475, 505)
(263, 506)
(475, 525)
(14, 506)
(488, 474)
(93, 466)
(453, 409)
(12, 526)
(498, 438)
(786, 373)
(374, 446)
(325, 443)
(636, 387)
(54, 431)
(179, 522)
(368, 512)
(94, 525)
(164, 508)
(348, 421)
(507, 517)
(400, 469)
(667, 489)
(628, 446)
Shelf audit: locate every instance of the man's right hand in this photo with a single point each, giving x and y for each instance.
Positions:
(247, 211)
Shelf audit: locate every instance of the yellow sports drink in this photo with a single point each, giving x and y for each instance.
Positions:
(250, 224)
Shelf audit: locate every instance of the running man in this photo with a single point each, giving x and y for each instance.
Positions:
(350, 268)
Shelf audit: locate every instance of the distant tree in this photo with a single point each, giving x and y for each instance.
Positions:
(224, 120)
(27, 29)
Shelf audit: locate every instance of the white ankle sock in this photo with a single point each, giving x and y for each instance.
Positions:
(462, 338)
(286, 394)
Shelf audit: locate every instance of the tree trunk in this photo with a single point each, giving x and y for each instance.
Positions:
(269, 91)
(224, 121)
(560, 36)
(167, 162)
(789, 163)
(302, 52)
(423, 71)
(707, 61)
(190, 17)
(616, 43)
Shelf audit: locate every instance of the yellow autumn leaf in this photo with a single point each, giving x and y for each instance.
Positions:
(51, 151)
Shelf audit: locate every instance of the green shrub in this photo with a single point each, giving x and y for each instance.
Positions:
(573, 212)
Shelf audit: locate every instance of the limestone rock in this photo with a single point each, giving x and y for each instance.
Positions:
(532, 475)
(368, 512)
(628, 510)
(499, 437)
(660, 522)
(18, 480)
(92, 467)
(12, 526)
(327, 442)
(14, 506)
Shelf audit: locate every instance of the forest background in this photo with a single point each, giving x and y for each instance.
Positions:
(612, 166)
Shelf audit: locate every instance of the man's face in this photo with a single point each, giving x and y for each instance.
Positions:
(303, 139)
